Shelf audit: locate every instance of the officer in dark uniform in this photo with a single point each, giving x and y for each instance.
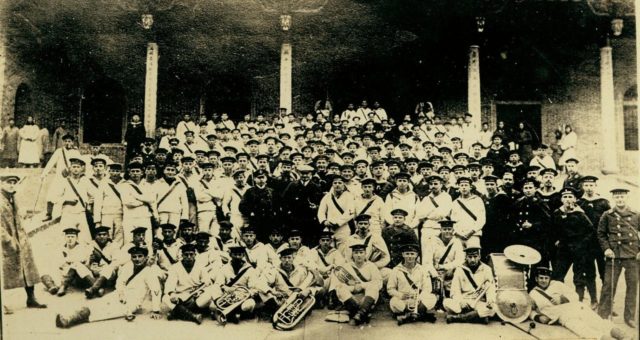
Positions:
(572, 235)
(258, 206)
(530, 221)
(594, 206)
(495, 233)
(618, 236)
(574, 178)
(300, 204)
(396, 235)
(508, 186)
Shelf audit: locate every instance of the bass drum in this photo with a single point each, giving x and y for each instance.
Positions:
(512, 300)
(513, 305)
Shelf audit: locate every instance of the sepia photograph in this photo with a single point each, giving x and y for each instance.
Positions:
(319, 169)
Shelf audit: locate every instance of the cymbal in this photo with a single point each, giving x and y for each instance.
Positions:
(522, 254)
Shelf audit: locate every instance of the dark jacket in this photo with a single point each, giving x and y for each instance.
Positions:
(618, 231)
(572, 229)
(530, 209)
(495, 233)
(395, 238)
(18, 265)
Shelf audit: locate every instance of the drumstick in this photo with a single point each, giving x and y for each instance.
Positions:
(531, 325)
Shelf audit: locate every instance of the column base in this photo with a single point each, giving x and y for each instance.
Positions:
(610, 170)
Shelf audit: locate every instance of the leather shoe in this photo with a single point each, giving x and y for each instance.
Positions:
(630, 323)
(33, 303)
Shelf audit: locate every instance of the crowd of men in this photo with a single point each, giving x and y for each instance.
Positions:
(350, 213)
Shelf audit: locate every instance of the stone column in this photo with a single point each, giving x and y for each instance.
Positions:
(474, 99)
(151, 89)
(3, 59)
(637, 10)
(285, 76)
(608, 113)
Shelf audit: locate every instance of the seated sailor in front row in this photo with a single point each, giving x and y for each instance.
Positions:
(185, 291)
(74, 262)
(291, 279)
(135, 282)
(444, 254)
(473, 291)
(235, 287)
(325, 258)
(108, 274)
(554, 302)
(410, 289)
(357, 285)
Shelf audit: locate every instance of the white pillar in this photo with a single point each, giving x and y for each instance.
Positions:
(3, 58)
(474, 99)
(608, 119)
(285, 77)
(151, 89)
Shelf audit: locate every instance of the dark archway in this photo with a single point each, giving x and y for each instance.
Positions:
(230, 94)
(103, 111)
(23, 106)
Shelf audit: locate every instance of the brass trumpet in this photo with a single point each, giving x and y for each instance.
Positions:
(344, 276)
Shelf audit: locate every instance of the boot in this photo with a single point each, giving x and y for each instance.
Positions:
(181, 312)
(31, 299)
(94, 290)
(49, 285)
(89, 280)
(63, 289)
(424, 315)
(404, 318)
(334, 302)
(49, 213)
(362, 316)
(463, 317)
(351, 306)
(79, 317)
(580, 292)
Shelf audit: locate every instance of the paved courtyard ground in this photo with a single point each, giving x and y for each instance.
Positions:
(39, 324)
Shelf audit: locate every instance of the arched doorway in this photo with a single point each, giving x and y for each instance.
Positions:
(103, 112)
(230, 94)
(23, 106)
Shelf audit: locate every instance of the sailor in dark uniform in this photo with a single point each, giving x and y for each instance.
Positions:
(574, 178)
(618, 236)
(496, 230)
(572, 236)
(530, 222)
(594, 206)
(547, 193)
(508, 186)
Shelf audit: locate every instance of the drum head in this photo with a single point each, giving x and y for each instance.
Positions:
(522, 254)
(513, 305)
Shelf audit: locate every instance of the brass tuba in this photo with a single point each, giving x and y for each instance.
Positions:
(295, 308)
(229, 302)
